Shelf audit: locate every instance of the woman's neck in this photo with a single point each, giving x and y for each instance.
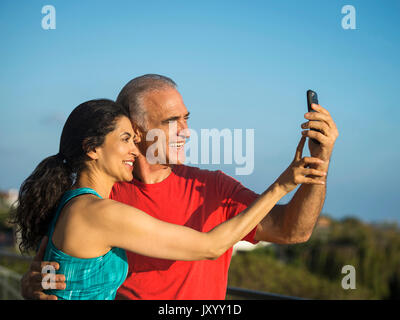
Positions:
(101, 185)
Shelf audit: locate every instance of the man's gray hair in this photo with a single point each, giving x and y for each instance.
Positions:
(131, 96)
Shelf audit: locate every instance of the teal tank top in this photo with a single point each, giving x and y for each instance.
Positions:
(86, 279)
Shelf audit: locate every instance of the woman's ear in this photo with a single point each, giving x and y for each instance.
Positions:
(93, 154)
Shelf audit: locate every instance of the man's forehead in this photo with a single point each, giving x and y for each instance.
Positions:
(164, 102)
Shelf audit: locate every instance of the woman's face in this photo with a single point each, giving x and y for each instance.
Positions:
(117, 154)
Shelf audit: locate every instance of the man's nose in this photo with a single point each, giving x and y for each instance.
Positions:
(184, 130)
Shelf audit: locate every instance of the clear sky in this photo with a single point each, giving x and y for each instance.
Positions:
(238, 64)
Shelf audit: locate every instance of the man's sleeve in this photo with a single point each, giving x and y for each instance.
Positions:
(237, 198)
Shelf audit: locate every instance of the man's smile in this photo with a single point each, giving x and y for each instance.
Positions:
(177, 145)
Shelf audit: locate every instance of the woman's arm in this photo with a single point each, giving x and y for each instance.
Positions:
(126, 227)
(129, 228)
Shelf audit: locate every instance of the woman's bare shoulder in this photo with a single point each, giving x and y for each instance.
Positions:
(91, 207)
(79, 219)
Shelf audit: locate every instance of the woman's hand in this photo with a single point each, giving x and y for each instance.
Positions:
(298, 171)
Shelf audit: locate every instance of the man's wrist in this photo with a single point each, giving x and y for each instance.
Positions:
(324, 154)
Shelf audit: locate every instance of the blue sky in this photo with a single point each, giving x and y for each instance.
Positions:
(238, 64)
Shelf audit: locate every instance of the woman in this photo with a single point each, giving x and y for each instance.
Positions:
(66, 197)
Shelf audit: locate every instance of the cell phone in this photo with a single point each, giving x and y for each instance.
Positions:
(312, 97)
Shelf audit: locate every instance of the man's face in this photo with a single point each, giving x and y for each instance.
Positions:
(166, 112)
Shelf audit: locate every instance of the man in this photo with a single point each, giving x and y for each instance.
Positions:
(200, 199)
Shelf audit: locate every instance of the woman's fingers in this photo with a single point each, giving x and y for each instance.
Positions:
(310, 160)
(301, 170)
(312, 134)
(305, 175)
(306, 180)
(313, 172)
(299, 149)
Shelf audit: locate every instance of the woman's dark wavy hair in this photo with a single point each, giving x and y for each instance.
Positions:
(39, 195)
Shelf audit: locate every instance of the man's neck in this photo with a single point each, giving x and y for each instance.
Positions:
(150, 173)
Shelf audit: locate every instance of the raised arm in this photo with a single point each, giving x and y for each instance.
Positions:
(295, 221)
(131, 229)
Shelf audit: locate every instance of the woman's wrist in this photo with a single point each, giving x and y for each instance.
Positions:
(278, 189)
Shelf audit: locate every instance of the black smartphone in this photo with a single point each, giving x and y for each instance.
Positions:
(312, 97)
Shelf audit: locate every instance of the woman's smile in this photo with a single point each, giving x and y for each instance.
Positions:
(129, 164)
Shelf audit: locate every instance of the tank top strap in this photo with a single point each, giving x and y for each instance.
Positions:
(64, 199)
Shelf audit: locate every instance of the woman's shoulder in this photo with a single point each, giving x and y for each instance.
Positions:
(95, 211)
(77, 224)
(89, 205)
(86, 201)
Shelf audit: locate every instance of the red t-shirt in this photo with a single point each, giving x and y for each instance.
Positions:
(196, 198)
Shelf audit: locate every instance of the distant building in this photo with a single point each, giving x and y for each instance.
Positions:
(247, 246)
(323, 222)
(9, 197)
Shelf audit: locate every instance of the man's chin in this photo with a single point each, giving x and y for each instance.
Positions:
(176, 159)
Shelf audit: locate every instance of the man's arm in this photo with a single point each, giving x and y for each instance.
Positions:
(295, 221)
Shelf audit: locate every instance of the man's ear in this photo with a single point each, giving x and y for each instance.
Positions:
(138, 133)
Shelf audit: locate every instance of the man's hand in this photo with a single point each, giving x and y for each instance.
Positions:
(31, 282)
(322, 121)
